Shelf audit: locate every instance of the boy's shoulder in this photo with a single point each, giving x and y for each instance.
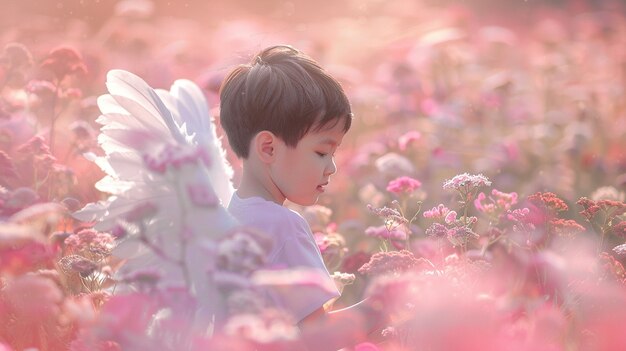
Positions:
(258, 212)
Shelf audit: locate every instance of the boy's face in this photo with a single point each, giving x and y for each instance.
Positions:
(302, 173)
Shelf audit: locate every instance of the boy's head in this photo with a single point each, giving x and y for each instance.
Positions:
(282, 91)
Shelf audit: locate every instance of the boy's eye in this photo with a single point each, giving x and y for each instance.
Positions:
(320, 154)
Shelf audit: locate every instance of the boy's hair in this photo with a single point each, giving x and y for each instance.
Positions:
(283, 91)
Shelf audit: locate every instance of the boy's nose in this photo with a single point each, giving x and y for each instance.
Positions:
(331, 168)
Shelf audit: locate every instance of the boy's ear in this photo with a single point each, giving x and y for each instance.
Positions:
(264, 145)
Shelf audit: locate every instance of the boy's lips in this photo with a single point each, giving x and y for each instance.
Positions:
(322, 187)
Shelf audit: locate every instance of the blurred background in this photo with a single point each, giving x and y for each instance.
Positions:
(530, 93)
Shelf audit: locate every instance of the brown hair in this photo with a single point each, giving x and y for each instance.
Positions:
(283, 91)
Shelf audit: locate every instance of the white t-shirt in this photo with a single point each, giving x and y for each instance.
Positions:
(294, 246)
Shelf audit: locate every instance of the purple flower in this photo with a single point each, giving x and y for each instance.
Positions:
(437, 230)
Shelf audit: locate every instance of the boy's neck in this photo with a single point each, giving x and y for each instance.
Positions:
(251, 185)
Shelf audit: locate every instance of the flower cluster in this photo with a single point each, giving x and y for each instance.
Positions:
(64, 61)
(403, 185)
(91, 243)
(391, 216)
(466, 182)
(437, 213)
(564, 227)
(458, 235)
(391, 262)
(498, 202)
(548, 201)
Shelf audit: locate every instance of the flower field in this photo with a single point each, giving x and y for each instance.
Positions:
(479, 203)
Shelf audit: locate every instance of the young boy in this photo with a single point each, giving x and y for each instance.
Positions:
(285, 117)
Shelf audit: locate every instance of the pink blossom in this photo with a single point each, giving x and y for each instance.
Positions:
(450, 217)
(437, 213)
(64, 61)
(407, 138)
(403, 185)
(498, 201)
(486, 208)
(89, 241)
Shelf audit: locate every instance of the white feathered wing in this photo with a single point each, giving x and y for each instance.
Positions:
(162, 152)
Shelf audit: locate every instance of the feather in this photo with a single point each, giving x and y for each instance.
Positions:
(167, 128)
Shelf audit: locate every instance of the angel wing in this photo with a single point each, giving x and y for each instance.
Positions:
(168, 178)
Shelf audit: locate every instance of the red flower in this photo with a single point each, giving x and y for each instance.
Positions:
(549, 201)
(565, 227)
(64, 61)
(590, 208)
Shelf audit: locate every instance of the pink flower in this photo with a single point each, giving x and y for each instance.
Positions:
(437, 213)
(451, 217)
(89, 241)
(403, 185)
(499, 201)
(64, 61)
(407, 138)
